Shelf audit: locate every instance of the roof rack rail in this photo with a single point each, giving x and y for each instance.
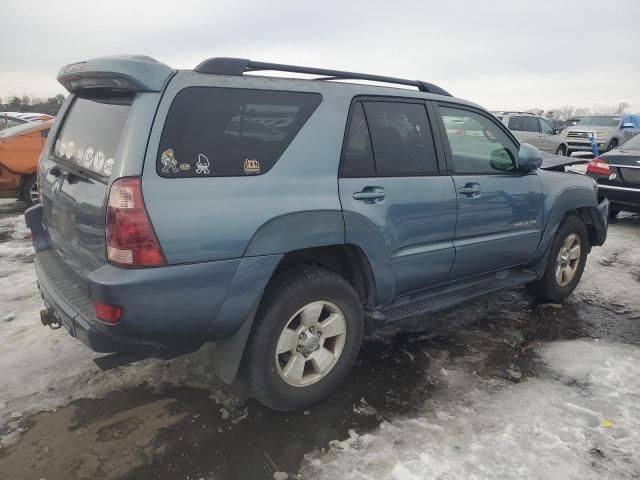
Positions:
(514, 112)
(239, 66)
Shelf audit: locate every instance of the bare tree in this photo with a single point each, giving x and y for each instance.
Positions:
(622, 106)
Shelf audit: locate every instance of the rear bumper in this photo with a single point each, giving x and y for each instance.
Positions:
(175, 306)
(628, 198)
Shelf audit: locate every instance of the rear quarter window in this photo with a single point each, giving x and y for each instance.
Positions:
(221, 132)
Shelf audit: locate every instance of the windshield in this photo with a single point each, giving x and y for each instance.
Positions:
(23, 128)
(600, 121)
(632, 144)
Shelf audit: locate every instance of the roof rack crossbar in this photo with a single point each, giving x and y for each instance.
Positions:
(238, 66)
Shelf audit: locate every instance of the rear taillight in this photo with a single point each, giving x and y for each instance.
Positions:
(597, 165)
(108, 313)
(131, 241)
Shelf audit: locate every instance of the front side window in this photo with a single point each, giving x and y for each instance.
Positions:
(220, 132)
(546, 127)
(485, 148)
(401, 138)
(530, 124)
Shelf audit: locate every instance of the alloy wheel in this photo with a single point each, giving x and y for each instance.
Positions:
(568, 260)
(310, 344)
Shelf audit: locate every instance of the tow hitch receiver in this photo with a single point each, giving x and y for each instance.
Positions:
(48, 318)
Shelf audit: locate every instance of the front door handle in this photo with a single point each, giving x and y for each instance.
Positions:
(370, 195)
(470, 190)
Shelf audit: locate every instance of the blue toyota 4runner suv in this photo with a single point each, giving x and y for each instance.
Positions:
(272, 215)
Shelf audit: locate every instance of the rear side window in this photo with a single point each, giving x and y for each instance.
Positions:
(401, 137)
(530, 124)
(515, 123)
(358, 154)
(91, 132)
(220, 132)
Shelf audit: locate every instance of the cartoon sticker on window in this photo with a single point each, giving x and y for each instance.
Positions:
(88, 157)
(202, 166)
(169, 162)
(251, 166)
(98, 160)
(108, 166)
(70, 150)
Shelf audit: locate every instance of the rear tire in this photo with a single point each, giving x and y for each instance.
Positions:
(289, 362)
(29, 191)
(566, 262)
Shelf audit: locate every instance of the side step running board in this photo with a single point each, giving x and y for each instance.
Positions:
(441, 298)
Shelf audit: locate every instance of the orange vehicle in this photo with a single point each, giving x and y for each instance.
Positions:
(20, 148)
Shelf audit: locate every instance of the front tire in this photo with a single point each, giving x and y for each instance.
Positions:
(567, 258)
(612, 144)
(561, 150)
(305, 338)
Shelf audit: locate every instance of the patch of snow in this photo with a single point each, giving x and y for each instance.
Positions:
(547, 427)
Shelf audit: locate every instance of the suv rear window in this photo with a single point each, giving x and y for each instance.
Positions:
(221, 132)
(91, 132)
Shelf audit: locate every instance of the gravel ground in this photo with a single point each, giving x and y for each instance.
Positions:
(501, 387)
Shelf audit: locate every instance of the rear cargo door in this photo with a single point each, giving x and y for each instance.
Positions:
(74, 178)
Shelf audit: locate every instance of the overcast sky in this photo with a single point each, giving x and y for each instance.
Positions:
(508, 54)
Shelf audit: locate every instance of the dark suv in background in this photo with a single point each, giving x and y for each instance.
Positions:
(272, 215)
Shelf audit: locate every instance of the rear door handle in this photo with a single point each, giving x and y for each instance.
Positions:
(470, 190)
(370, 195)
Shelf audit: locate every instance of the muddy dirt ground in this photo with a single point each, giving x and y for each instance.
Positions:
(63, 418)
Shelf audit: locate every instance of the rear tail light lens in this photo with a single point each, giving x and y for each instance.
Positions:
(131, 241)
(108, 313)
(597, 165)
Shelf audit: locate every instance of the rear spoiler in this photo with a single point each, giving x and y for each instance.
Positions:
(135, 73)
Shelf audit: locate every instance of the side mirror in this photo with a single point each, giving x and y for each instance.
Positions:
(556, 131)
(529, 158)
(628, 125)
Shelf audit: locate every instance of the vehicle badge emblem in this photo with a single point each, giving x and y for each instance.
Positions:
(613, 176)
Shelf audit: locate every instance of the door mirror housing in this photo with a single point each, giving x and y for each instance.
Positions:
(529, 158)
(556, 131)
(627, 125)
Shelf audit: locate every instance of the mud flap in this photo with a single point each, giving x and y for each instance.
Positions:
(600, 221)
(229, 352)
